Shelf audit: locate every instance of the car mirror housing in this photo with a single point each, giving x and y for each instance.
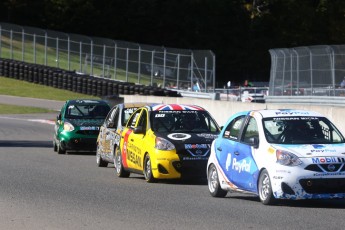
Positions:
(138, 130)
(254, 141)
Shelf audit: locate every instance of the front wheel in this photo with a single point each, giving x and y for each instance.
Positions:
(100, 162)
(265, 188)
(148, 170)
(120, 171)
(213, 183)
(60, 150)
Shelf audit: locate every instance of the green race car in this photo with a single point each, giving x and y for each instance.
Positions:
(77, 125)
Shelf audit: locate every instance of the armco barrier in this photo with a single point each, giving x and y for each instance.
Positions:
(81, 83)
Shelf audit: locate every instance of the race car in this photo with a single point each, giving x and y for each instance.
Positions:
(278, 154)
(77, 125)
(166, 141)
(110, 132)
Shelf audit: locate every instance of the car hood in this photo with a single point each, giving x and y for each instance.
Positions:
(86, 122)
(196, 144)
(315, 150)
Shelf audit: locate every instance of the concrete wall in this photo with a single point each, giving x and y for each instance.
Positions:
(222, 110)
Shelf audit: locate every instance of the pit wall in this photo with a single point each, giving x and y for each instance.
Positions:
(222, 110)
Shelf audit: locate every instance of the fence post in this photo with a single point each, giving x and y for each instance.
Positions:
(178, 72)
(68, 53)
(115, 57)
(139, 66)
(205, 74)
(45, 48)
(152, 61)
(57, 52)
(127, 54)
(11, 46)
(91, 60)
(103, 67)
(23, 44)
(34, 48)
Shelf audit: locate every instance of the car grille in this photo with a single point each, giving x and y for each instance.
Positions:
(88, 132)
(321, 186)
(326, 168)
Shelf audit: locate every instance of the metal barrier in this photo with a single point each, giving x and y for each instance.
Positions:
(107, 58)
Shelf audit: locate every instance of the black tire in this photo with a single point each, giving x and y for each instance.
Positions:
(148, 170)
(265, 188)
(120, 171)
(60, 150)
(213, 182)
(100, 162)
(55, 146)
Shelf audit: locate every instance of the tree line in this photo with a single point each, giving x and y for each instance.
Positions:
(239, 32)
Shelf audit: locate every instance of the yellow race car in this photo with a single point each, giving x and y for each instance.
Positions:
(166, 141)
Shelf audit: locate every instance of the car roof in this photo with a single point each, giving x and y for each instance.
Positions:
(174, 107)
(135, 104)
(286, 113)
(86, 101)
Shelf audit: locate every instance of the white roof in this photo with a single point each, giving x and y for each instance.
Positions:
(287, 113)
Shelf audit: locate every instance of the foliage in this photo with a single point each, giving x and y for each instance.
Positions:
(240, 32)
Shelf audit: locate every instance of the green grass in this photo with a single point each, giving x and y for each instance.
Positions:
(13, 87)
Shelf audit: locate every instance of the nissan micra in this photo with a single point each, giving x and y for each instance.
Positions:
(278, 154)
(166, 141)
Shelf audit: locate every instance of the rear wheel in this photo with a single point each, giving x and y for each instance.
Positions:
(213, 183)
(100, 162)
(120, 171)
(265, 188)
(148, 169)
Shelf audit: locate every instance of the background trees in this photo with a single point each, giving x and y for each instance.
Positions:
(239, 32)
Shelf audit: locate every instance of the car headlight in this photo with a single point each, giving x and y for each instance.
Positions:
(163, 144)
(286, 158)
(68, 127)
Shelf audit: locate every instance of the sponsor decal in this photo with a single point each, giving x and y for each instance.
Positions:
(89, 128)
(329, 174)
(179, 136)
(207, 135)
(271, 150)
(133, 154)
(196, 146)
(241, 166)
(291, 112)
(327, 160)
(323, 150)
(318, 146)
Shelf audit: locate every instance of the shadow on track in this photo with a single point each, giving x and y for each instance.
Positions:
(25, 143)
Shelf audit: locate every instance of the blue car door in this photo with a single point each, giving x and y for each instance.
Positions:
(227, 145)
(244, 171)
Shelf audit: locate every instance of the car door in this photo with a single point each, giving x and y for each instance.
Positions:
(227, 146)
(109, 132)
(244, 171)
(131, 140)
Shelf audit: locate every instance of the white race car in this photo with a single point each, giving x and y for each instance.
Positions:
(278, 154)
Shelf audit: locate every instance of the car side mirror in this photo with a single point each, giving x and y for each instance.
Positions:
(139, 130)
(254, 141)
(58, 117)
(111, 124)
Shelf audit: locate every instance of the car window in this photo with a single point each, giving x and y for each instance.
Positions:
(233, 129)
(112, 117)
(133, 119)
(250, 131)
(143, 119)
(126, 114)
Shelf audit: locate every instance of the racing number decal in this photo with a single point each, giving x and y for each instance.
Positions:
(124, 149)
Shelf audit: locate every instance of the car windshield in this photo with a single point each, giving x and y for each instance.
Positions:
(301, 130)
(87, 111)
(191, 121)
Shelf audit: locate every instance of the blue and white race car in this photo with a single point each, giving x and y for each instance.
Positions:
(278, 154)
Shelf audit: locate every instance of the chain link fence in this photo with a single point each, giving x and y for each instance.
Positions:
(313, 71)
(110, 59)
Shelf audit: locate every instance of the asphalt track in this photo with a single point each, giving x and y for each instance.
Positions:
(40, 189)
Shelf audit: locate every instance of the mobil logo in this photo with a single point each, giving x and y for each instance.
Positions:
(323, 160)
